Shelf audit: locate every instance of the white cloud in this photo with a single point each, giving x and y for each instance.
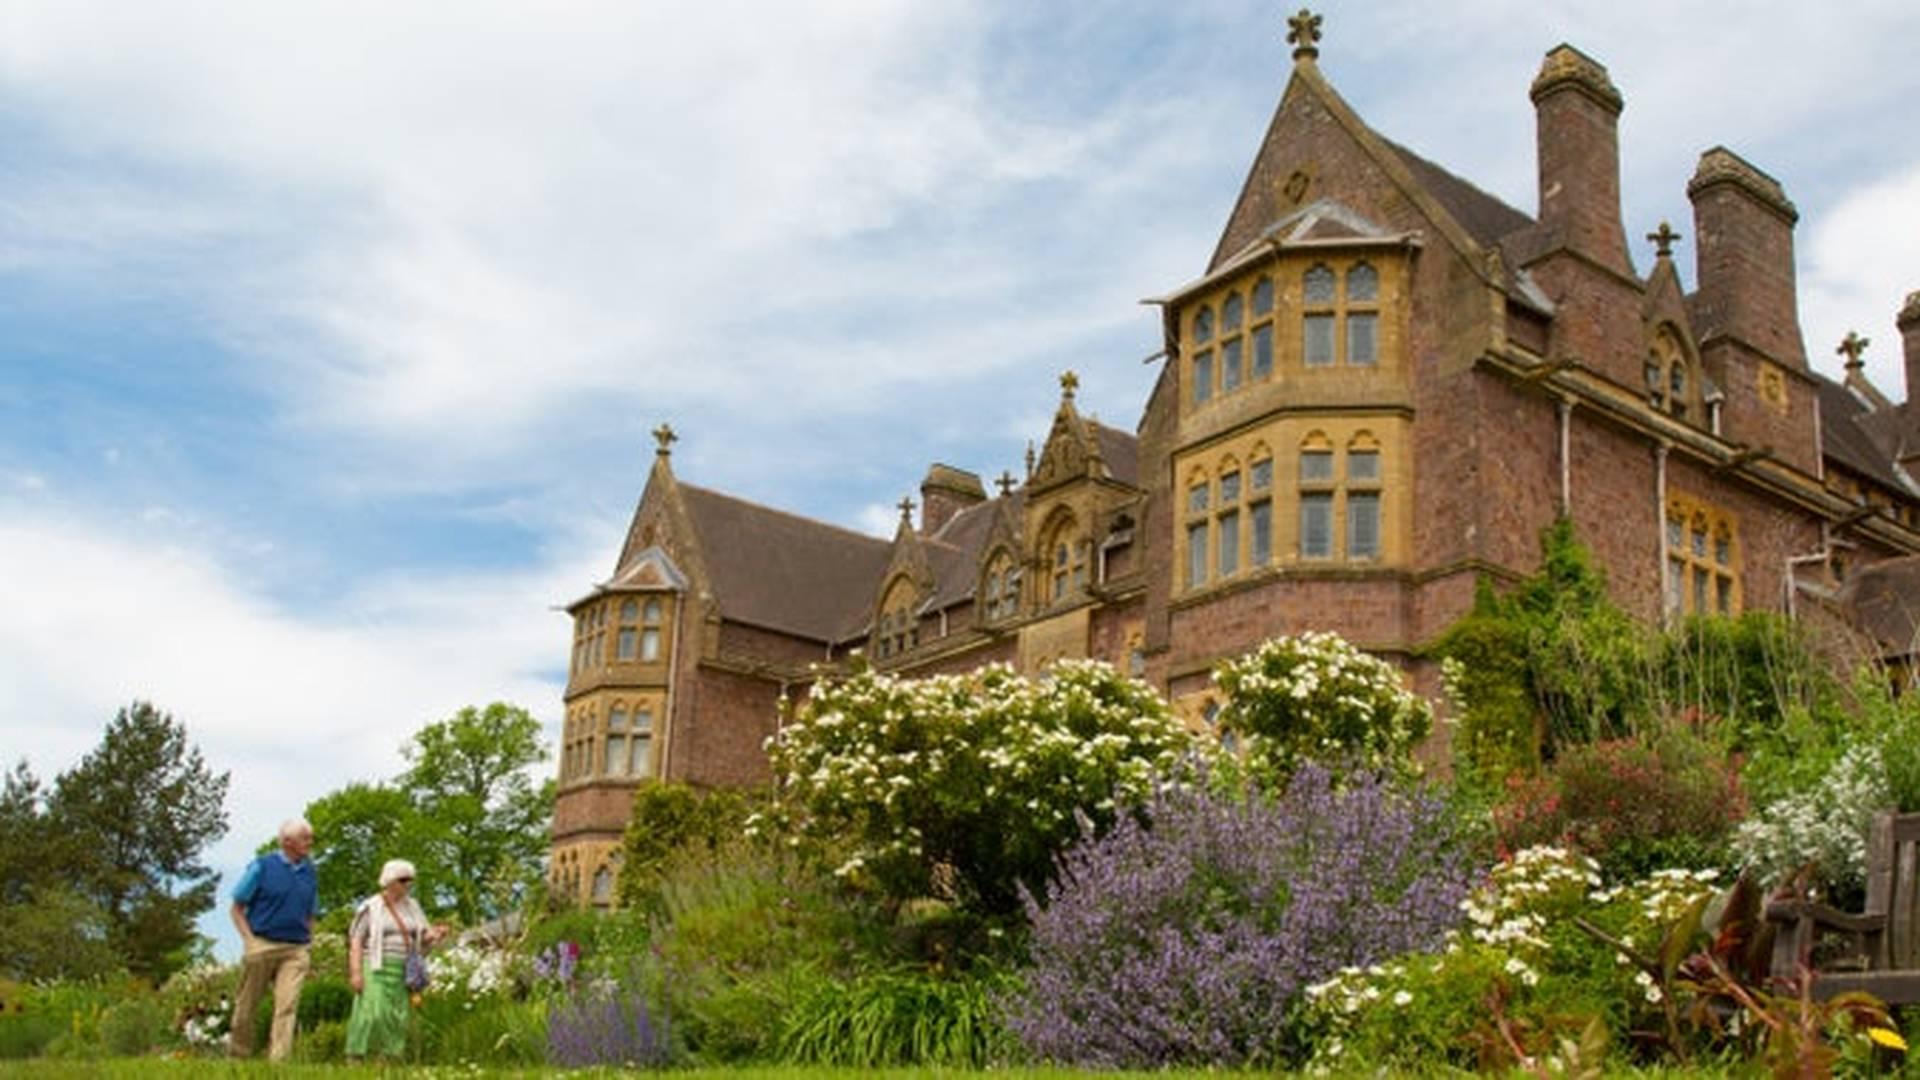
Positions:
(294, 705)
(1860, 266)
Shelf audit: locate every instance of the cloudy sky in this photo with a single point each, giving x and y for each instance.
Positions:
(330, 338)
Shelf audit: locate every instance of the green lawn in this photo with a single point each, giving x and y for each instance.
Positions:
(139, 1068)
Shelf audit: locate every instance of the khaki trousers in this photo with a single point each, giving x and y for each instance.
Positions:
(285, 966)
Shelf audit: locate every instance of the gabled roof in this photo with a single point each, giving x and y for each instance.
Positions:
(1884, 600)
(1846, 435)
(956, 550)
(1120, 450)
(782, 571)
(1486, 217)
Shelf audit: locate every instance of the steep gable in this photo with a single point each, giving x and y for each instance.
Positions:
(781, 571)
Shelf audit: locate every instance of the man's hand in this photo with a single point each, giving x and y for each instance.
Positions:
(356, 980)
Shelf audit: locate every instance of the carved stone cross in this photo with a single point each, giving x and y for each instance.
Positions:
(1069, 382)
(906, 509)
(1303, 32)
(1663, 239)
(1005, 482)
(666, 438)
(1851, 347)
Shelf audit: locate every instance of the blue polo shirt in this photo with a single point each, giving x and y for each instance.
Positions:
(279, 896)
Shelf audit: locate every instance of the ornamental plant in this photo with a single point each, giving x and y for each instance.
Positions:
(1315, 696)
(1669, 799)
(983, 778)
(1824, 826)
(1188, 942)
(1520, 984)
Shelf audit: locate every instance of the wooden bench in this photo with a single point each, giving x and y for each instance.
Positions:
(1885, 957)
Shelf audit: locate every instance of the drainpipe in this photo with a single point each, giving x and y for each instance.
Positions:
(673, 679)
(1660, 530)
(1565, 409)
(1823, 555)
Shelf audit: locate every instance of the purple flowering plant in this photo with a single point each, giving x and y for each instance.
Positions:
(1189, 941)
(607, 1025)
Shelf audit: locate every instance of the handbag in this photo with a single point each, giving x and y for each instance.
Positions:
(416, 974)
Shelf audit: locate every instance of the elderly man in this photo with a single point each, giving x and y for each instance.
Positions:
(273, 907)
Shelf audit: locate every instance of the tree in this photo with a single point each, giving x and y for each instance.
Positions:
(47, 931)
(357, 829)
(140, 809)
(483, 820)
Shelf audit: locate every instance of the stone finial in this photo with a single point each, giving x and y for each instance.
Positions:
(906, 511)
(1663, 239)
(1722, 166)
(1851, 347)
(1004, 482)
(666, 438)
(1303, 33)
(1030, 458)
(1909, 311)
(1566, 67)
(1069, 382)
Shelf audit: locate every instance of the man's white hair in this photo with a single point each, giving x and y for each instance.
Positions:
(295, 826)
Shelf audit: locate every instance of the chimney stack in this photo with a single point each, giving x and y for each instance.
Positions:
(1909, 324)
(945, 492)
(1577, 109)
(1743, 244)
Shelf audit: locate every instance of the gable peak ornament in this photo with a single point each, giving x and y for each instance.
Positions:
(1851, 347)
(1663, 239)
(1004, 482)
(1303, 33)
(666, 438)
(1069, 382)
(906, 511)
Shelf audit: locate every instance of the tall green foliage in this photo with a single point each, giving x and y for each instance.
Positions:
(133, 819)
(483, 817)
(1555, 663)
(666, 818)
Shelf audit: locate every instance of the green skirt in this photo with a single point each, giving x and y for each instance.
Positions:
(379, 1021)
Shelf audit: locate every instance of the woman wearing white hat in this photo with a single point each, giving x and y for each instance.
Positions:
(388, 928)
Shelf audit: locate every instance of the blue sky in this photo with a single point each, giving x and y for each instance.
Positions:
(330, 339)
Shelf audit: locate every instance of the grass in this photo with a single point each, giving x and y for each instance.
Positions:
(140, 1068)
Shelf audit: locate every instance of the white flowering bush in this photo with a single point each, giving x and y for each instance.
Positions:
(1317, 697)
(1824, 826)
(470, 974)
(987, 776)
(1519, 960)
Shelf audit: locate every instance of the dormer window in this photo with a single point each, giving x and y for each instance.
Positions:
(1671, 385)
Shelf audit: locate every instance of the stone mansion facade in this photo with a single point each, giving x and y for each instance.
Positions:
(1382, 387)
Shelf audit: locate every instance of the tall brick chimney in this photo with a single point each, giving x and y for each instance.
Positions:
(1909, 324)
(945, 492)
(1743, 240)
(1577, 109)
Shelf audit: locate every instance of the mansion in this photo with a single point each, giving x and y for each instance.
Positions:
(1382, 387)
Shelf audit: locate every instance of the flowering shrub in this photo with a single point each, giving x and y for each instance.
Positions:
(987, 773)
(470, 973)
(1522, 980)
(1824, 826)
(1188, 942)
(1633, 804)
(200, 997)
(610, 1026)
(1316, 697)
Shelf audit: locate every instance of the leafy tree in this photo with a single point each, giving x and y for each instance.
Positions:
(482, 818)
(355, 830)
(141, 808)
(47, 931)
(668, 817)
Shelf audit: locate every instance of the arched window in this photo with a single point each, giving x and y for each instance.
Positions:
(1317, 486)
(1703, 559)
(898, 624)
(1065, 552)
(1671, 385)
(603, 886)
(1260, 507)
(1363, 497)
(1002, 598)
(1340, 325)
(1232, 343)
(629, 639)
(1200, 370)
